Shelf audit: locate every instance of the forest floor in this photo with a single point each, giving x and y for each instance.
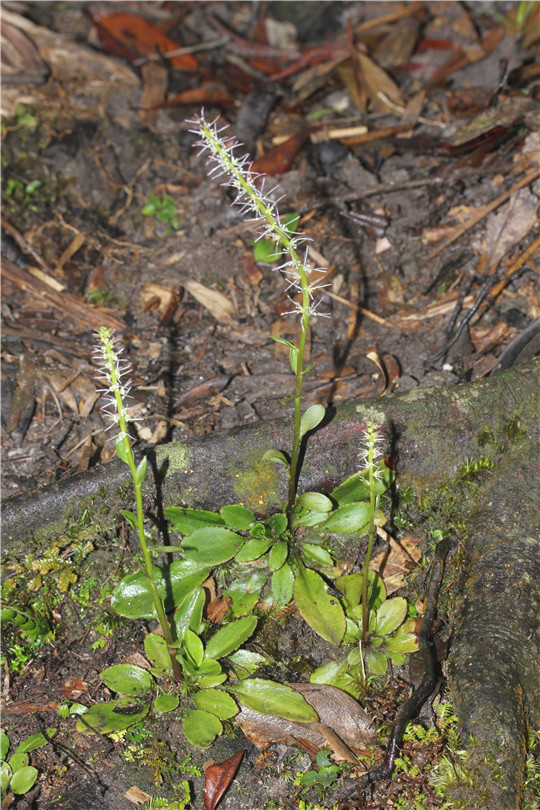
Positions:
(406, 138)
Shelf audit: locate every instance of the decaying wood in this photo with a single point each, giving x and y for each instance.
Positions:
(432, 432)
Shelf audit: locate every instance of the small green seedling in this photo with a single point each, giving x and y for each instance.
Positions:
(163, 209)
(16, 774)
(326, 773)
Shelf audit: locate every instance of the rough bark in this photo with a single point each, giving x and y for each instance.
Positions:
(432, 432)
(494, 666)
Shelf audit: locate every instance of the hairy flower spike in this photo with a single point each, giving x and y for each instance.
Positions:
(252, 200)
(302, 280)
(107, 356)
(370, 453)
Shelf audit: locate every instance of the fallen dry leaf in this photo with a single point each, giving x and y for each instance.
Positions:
(343, 724)
(508, 226)
(396, 561)
(215, 302)
(137, 796)
(217, 779)
(382, 90)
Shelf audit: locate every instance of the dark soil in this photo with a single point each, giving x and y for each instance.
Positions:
(81, 157)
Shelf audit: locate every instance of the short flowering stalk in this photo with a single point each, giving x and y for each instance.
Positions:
(107, 355)
(370, 457)
(298, 273)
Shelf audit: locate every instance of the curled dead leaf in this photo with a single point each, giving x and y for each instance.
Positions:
(343, 724)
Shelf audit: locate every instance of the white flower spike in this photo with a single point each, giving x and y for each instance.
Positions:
(222, 159)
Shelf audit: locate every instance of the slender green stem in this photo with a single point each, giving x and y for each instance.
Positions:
(297, 418)
(156, 598)
(371, 451)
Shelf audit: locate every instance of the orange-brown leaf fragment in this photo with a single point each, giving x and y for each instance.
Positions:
(218, 778)
(135, 37)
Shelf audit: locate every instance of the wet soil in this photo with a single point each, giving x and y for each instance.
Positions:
(82, 157)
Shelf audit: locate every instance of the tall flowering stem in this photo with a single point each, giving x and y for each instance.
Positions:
(107, 355)
(298, 273)
(370, 456)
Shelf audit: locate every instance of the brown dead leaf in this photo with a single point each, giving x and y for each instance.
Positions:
(137, 796)
(217, 608)
(21, 61)
(508, 226)
(62, 386)
(154, 89)
(398, 44)
(215, 302)
(388, 367)
(24, 391)
(217, 779)
(87, 448)
(158, 296)
(343, 724)
(396, 561)
(381, 89)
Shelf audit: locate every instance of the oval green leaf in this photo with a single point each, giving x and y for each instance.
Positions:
(127, 679)
(277, 457)
(327, 673)
(278, 523)
(245, 593)
(317, 554)
(140, 472)
(246, 662)
(201, 728)
(186, 521)
(390, 615)
(282, 584)
(268, 697)
(278, 555)
(132, 596)
(216, 702)
(156, 651)
(353, 517)
(376, 662)
(320, 610)
(311, 418)
(406, 643)
(189, 613)
(35, 741)
(209, 681)
(23, 779)
(18, 760)
(123, 449)
(356, 488)
(237, 517)
(211, 546)
(230, 637)
(193, 647)
(315, 501)
(166, 703)
(4, 745)
(350, 586)
(5, 777)
(253, 549)
(115, 715)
